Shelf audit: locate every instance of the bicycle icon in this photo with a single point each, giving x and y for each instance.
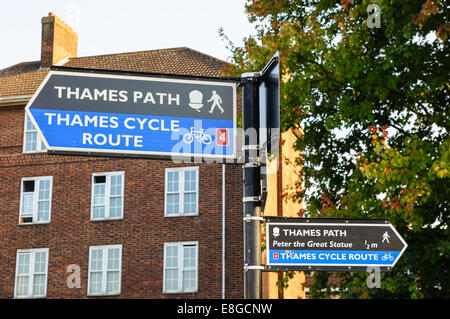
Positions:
(199, 134)
(387, 257)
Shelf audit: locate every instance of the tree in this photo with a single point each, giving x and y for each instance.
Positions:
(368, 83)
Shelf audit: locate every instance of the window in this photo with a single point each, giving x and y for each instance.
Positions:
(105, 266)
(181, 196)
(35, 200)
(107, 196)
(32, 143)
(180, 267)
(31, 273)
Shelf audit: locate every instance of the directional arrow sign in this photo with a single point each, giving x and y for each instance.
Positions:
(80, 112)
(331, 244)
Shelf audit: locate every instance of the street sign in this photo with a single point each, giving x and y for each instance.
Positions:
(269, 106)
(269, 120)
(331, 244)
(124, 115)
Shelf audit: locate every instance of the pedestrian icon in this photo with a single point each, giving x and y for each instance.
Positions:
(217, 100)
(195, 100)
(386, 237)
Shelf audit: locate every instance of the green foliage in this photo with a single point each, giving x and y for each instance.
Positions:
(284, 282)
(373, 104)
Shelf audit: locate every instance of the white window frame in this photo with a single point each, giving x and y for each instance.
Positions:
(31, 272)
(40, 146)
(104, 270)
(181, 191)
(180, 268)
(35, 199)
(108, 196)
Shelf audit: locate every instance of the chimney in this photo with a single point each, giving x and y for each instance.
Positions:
(58, 42)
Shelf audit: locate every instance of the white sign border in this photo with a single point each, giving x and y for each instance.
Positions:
(150, 154)
(332, 265)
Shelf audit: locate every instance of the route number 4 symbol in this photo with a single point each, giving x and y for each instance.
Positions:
(222, 138)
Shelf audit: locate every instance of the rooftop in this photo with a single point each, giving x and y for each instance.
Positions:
(24, 78)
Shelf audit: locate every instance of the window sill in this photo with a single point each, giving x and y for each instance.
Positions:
(182, 215)
(105, 219)
(103, 295)
(30, 297)
(180, 292)
(36, 223)
(34, 152)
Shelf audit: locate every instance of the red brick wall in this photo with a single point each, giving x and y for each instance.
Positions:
(142, 232)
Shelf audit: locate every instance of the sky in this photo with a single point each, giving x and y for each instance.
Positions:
(116, 26)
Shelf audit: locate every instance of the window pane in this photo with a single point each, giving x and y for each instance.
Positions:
(173, 201)
(95, 284)
(100, 179)
(28, 186)
(44, 211)
(115, 207)
(113, 258)
(189, 280)
(44, 189)
(27, 204)
(23, 264)
(39, 285)
(22, 285)
(189, 256)
(31, 141)
(172, 181)
(40, 262)
(116, 185)
(190, 203)
(172, 256)
(29, 125)
(190, 181)
(96, 259)
(171, 279)
(112, 282)
(99, 194)
(99, 212)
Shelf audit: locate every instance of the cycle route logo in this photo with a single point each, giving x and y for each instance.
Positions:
(196, 103)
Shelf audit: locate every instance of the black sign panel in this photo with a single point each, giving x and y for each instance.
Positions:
(269, 119)
(136, 95)
(332, 244)
(269, 106)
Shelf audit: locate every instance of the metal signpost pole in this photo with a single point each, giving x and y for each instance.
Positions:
(252, 188)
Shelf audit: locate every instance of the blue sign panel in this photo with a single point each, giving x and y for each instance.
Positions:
(333, 257)
(133, 115)
(331, 244)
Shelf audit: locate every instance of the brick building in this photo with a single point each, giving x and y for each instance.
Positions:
(80, 227)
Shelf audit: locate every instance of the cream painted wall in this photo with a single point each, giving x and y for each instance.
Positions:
(290, 175)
